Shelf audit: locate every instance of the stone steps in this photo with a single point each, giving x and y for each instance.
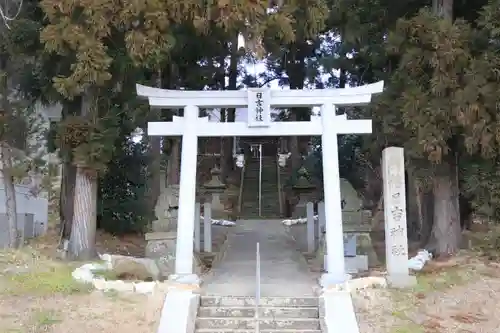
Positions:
(244, 301)
(231, 330)
(275, 312)
(219, 314)
(270, 201)
(264, 323)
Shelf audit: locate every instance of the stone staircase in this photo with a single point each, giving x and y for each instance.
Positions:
(270, 194)
(220, 314)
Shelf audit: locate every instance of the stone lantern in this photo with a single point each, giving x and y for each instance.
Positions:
(304, 190)
(214, 190)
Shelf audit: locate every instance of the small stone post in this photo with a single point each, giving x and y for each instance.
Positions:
(197, 231)
(163, 180)
(396, 238)
(321, 218)
(207, 227)
(311, 237)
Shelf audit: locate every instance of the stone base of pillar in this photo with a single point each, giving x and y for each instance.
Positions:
(328, 280)
(189, 279)
(161, 248)
(353, 265)
(401, 280)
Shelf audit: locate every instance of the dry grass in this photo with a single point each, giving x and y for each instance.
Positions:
(75, 313)
(29, 272)
(484, 242)
(459, 296)
(38, 294)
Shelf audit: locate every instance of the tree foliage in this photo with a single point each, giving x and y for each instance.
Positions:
(121, 190)
(441, 76)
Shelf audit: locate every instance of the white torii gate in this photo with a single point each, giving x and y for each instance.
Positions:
(259, 101)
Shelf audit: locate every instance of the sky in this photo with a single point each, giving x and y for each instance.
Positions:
(256, 69)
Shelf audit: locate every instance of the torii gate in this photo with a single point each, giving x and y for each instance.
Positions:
(259, 101)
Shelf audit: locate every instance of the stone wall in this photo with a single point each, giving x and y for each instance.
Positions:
(26, 228)
(29, 203)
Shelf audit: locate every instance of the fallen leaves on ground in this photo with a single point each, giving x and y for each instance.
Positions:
(97, 311)
(432, 326)
(444, 301)
(468, 318)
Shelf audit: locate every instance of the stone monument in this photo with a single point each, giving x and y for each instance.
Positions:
(162, 240)
(396, 237)
(166, 210)
(356, 220)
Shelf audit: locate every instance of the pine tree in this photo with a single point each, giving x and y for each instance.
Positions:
(441, 106)
(82, 31)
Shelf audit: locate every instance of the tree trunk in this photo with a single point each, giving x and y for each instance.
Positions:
(67, 198)
(171, 145)
(293, 147)
(446, 231)
(82, 242)
(10, 195)
(425, 204)
(174, 171)
(68, 174)
(84, 225)
(443, 8)
(227, 163)
(420, 208)
(154, 167)
(295, 69)
(6, 154)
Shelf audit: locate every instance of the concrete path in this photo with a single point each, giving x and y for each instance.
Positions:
(284, 271)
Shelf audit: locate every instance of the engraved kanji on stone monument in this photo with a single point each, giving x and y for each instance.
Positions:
(397, 231)
(398, 250)
(397, 213)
